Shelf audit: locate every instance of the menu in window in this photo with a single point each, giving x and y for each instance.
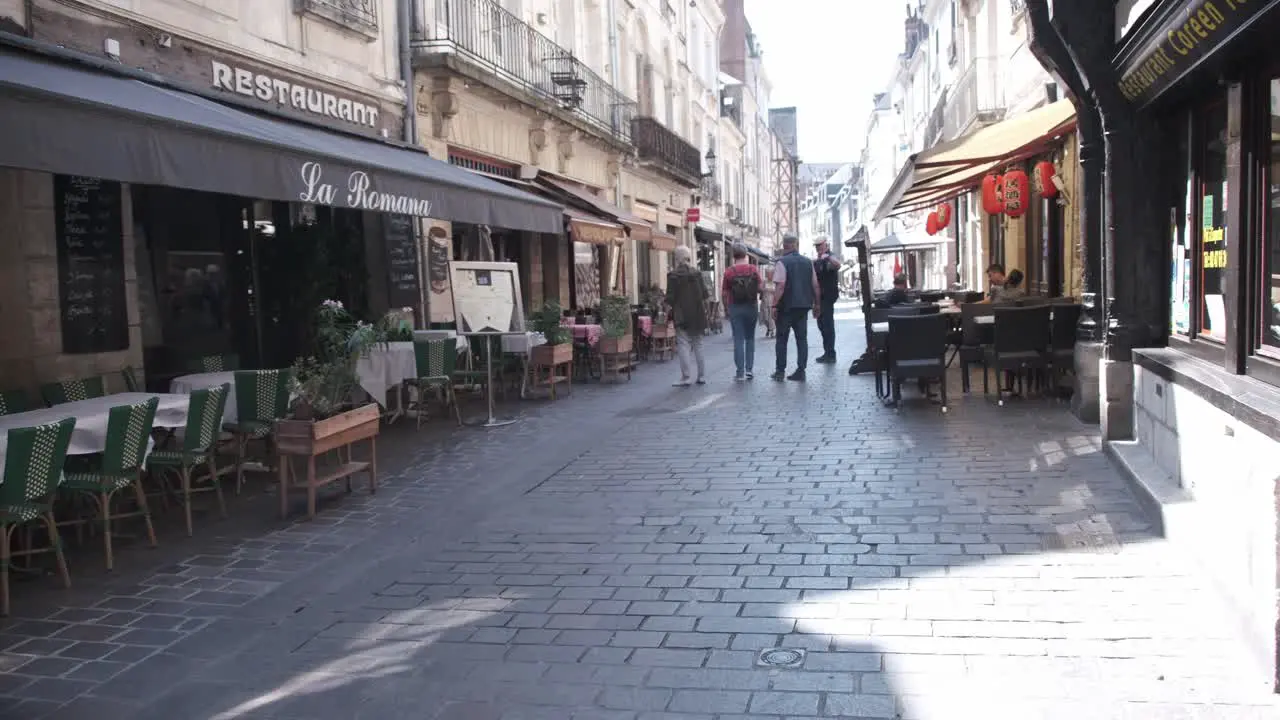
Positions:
(91, 280)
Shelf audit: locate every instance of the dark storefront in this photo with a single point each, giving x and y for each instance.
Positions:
(214, 226)
(1205, 79)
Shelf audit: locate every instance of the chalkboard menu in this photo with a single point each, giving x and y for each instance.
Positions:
(91, 288)
(402, 261)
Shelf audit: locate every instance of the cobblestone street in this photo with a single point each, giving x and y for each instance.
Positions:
(631, 552)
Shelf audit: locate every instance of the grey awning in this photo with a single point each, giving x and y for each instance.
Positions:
(905, 242)
(63, 118)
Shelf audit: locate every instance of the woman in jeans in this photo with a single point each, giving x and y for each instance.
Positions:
(741, 293)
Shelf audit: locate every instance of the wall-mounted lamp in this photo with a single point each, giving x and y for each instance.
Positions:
(711, 163)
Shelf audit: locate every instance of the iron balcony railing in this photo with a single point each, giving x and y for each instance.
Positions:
(977, 98)
(503, 47)
(358, 14)
(667, 150)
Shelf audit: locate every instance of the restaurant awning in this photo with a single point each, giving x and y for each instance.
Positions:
(588, 228)
(758, 252)
(640, 228)
(66, 116)
(905, 242)
(663, 241)
(952, 168)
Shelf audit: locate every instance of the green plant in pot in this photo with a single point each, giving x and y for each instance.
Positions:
(616, 321)
(323, 384)
(549, 322)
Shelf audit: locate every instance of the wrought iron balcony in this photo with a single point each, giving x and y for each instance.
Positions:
(667, 151)
(508, 53)
(361, 15)
(977, 99)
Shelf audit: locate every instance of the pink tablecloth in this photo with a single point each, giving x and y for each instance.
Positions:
(646, 325)
(590, 333)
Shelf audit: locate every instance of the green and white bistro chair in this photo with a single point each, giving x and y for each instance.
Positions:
(65, 391)
(262, 397)
(217, 363)
(120, 466)
(437, 362)
(199, 449)
(32, 469)
(14, 401)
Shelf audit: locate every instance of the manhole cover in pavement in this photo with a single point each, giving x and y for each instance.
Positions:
(781, 658)
(1081, 542)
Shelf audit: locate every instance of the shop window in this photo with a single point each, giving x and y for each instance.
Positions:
(1211, 293)
(1181, 222)
(995, 240)
(644, 265)
(1270, 316)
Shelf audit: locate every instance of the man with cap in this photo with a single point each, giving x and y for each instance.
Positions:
(827, 268)
(796, 293)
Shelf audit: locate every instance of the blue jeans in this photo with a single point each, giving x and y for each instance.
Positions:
(742, 319)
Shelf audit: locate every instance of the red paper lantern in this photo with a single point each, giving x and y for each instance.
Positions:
(931, 225)
(993, 194)
(1044, 174)
(1016, 187)
(944, 215)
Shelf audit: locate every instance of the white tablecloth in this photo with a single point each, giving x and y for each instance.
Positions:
(187, 384)
(386, 367)
(90, 434)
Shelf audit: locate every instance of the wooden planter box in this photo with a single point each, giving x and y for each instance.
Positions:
(551, 355)
(310, 439)
(663, 331)
(616, 346)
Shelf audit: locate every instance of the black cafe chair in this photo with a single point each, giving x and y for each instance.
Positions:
(975, 336)
(878, 345)
(1062, 341)
(918, 351)
(1020, 345)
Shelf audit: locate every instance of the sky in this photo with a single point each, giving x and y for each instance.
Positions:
(828, 58)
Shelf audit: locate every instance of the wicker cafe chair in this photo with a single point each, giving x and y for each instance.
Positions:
(974, 337)
(918, 350)
(437, 361)
(199, 448)
(32, 469)
(1019, 345)
(14, 401)
(65, 391)
(120, 466)
(216, 363)
(262, 397)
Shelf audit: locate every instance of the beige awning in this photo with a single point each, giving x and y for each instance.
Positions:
(587, 228)
(664, 241)
(954, 167)
(640, 228)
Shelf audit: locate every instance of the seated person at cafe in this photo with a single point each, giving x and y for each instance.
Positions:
(996, 281)
(1012, 290)
(898, 295)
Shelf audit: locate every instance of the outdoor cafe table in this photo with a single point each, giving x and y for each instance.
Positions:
(90, 434)
(187, 384)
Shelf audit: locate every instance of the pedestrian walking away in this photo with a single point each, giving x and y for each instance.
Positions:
(741, 291)
(796, 294)
(827, 268)
(687, 296)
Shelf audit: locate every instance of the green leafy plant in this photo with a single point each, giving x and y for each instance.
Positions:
(549, 322)
(396, 326)
(615, 311)
(322, 384)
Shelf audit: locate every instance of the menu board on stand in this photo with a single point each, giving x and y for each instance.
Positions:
(91, 274)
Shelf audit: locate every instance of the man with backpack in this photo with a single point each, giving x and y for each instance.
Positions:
(741, 292)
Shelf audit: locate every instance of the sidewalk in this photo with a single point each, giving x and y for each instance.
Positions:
(632, 551)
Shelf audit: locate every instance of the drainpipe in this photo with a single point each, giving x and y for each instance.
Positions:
(406, 73)
(410, 128)
(1051, 49)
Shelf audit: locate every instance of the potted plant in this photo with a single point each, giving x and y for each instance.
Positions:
(615, 311)
(323, 413)
(558, 349)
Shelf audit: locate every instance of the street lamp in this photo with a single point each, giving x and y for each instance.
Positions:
(711, 163)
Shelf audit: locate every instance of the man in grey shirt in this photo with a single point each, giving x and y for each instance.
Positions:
(796, 293)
